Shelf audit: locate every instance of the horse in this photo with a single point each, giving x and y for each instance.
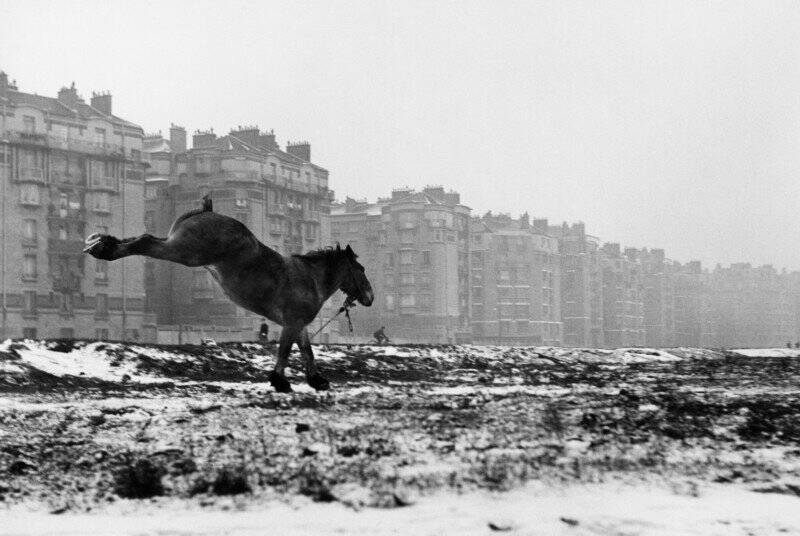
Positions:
(289, 290)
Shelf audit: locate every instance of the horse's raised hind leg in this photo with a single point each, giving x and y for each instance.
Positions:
(277, 378)
(313, 377)
(110, 248)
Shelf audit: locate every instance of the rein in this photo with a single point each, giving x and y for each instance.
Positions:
(349, 303)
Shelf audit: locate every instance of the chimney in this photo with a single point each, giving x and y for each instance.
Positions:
(202, 139)
(400, 193)
(267, 140)
(301, 150)
(69, 95)
(436, 192)
(525, 221)
(177, 138)
(248, 134)
(452, 198)
(102, 102)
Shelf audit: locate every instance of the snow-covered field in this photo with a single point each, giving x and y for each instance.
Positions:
(110, 438)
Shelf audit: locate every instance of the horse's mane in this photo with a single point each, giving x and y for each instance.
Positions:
(326, 253)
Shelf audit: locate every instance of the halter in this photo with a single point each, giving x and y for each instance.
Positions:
(349, 302)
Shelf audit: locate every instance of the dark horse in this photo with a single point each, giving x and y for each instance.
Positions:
(288, 290)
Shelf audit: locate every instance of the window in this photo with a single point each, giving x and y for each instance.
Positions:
(101, 305)
(101, 334)
(66, 303)
(408, 300)
(407, 257)
(389, 302)
(504, 275)
(426, 258)
(29, 267)
(407, 236)
(29, 124)
(29, 194)
(389, 260)
(150, 221)
(101, 269)
(100, 202)
(29, 302)
(425, 301)
(62, 232)
(406, 279)
(28, 333)
(29, 230)
(389, 280)
(100, 136)
(477, 310)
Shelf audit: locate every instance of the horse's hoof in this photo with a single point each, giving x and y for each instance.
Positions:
(319, 383)
(101, 246)
(279, 382)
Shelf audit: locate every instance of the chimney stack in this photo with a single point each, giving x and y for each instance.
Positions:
(69, 95)
(177, 138)
(101, 102)
(202, 139)
(301, 150)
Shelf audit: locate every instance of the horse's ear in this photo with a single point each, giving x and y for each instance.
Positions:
(338, 247)
(350, 252)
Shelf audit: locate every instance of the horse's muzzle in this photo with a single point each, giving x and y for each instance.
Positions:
(367, 299)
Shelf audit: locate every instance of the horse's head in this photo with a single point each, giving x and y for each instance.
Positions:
(354, 281)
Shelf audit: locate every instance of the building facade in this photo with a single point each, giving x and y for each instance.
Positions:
(278, 193)
(623, 305)
(581, 284)
(515, 274)
(415, 248)
(68, 168)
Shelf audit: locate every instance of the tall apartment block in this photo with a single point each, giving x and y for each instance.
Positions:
(623, 304)
(515, 275)
(658, 296)
(752, 306)
(415, 248)
(581, 284)
(279, 193)
(68, 168)
(694, 322)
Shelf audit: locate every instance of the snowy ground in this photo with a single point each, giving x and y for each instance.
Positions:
(105, 438)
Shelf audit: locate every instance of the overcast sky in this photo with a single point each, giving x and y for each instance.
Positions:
(672, 125)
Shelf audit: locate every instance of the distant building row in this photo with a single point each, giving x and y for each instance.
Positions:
(443, 275)
(69, 168)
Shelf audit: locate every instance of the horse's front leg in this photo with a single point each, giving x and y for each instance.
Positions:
(277, 378)
(313, 377)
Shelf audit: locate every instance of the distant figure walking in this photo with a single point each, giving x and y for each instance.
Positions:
(380, 335)
(289, 291)
(263, 333)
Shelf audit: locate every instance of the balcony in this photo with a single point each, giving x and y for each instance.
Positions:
(276, 209)
(31, 174)
(62, 178)
(68, 282)
(104, 184)
(76, 214)
(28, 138)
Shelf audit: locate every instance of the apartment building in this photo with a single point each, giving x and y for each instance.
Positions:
(415, 248)
(658, 298)
(68, 168)
(515, 276)
(279, 193)
(581, 284)
(752, 306)
(623, 305)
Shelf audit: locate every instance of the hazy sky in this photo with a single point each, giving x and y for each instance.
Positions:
(673, 125)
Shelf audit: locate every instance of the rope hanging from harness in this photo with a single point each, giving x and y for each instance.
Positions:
(349, 303)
